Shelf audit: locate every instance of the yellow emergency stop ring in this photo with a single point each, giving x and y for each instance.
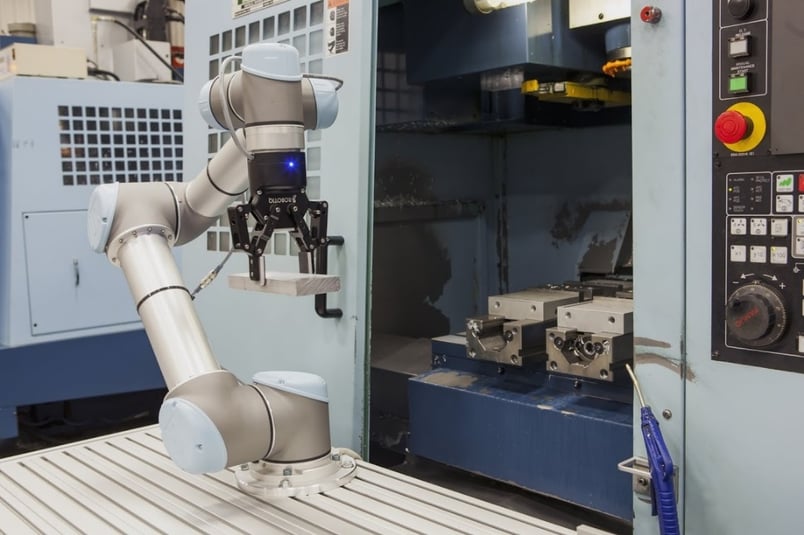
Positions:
(758, 127)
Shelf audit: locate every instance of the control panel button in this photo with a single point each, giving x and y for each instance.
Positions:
(799, 247)
(739, 47)
(737, 253)
(759, 226)
(778, 255)
(738, 226)
(759, 254)
(784, 204)
(800, 226)
(801, 182)
(784, 184)
(740, 9)
(731, 126)
(738, 84)
(779, 227)
(801, 203)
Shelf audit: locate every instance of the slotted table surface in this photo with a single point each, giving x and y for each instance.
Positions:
(126, 483)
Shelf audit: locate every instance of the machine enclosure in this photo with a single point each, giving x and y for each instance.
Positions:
(52, 154)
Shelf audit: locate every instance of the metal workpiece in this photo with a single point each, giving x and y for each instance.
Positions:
(506, 342)
(538, 304)
(237, 411)
(166, 309)
(602, 314)
(126, 483)
(590, 355)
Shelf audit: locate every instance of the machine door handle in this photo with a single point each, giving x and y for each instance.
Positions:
(77, 272)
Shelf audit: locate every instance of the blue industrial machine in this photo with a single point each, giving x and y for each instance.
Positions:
(66, 329)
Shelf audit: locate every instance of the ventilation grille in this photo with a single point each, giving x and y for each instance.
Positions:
(101, 145)
(303, 28)
(397, 102)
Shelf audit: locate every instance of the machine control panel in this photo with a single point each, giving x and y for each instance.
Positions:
(758, 184)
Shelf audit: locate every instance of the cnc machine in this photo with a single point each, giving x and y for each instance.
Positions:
(520, 219)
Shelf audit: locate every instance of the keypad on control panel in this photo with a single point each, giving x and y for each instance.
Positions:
(756, 239)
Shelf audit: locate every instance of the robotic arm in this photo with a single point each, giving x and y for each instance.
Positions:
(209, 419)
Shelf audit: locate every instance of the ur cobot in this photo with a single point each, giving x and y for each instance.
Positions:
(209, 419)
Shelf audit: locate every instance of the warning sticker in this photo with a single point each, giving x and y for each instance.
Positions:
(244, 7)
(337, 27)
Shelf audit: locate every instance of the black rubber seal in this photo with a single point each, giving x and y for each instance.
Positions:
(160, 290)
(214, 185)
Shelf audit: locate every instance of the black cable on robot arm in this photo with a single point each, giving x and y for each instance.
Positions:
(101, 72)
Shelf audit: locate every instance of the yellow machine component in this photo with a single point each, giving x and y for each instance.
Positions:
(617, 67)
(758, 127)
(568, 92)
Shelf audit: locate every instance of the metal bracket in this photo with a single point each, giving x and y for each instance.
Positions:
(319, 212)
(321, 299)
(639, 469)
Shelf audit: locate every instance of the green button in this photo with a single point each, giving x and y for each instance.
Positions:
(738, 84)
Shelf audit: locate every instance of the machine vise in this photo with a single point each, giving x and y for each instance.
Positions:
(592, 338)
(515, 328)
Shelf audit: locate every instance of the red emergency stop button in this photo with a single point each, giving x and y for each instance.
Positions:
(731, 127)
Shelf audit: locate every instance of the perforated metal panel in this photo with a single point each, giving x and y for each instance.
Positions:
(101, 145)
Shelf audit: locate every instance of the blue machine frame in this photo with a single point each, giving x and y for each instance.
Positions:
(72, 369)
(67, 326)
(559, 436)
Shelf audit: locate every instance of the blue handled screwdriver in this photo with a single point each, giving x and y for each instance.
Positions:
(661, 467)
